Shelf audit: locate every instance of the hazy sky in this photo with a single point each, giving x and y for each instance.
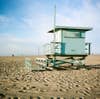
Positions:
(24, 23)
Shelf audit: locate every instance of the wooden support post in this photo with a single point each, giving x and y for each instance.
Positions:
(31, 97)
(89, 48)
(72, 60)
(53, 61)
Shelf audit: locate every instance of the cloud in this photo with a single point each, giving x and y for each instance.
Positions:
(39, 26)
(27, 42)
(87, 15)
(18, 46)
(26, 34)
(4, 21)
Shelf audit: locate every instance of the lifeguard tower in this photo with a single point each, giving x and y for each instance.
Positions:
(69, 46)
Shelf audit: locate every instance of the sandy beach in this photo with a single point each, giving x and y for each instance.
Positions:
(16, 80)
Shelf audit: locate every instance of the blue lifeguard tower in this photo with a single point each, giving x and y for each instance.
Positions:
(69, 43)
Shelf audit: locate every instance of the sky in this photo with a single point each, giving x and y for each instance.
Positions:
(24, 23)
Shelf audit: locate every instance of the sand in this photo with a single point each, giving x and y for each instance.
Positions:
(16, 80)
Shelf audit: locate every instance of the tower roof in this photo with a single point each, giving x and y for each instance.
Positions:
(57, 28)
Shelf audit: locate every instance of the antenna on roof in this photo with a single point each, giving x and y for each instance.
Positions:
(54, 26)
